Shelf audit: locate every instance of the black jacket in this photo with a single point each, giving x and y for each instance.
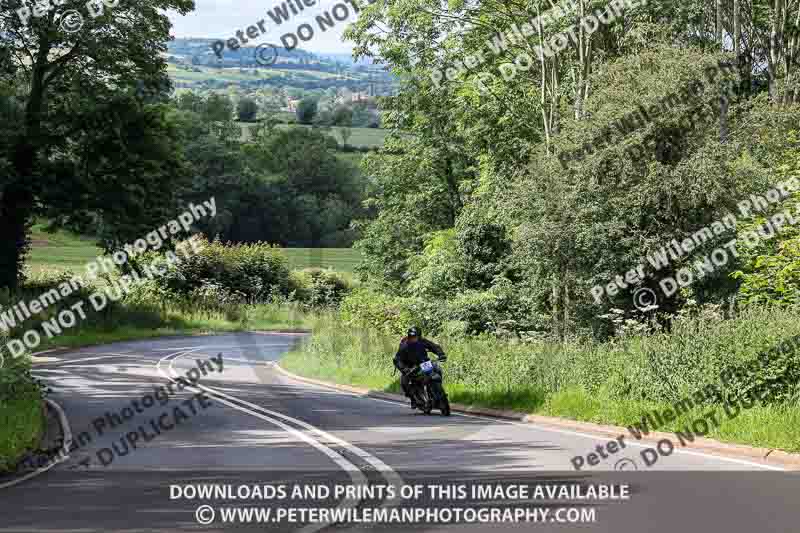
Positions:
(412, 354)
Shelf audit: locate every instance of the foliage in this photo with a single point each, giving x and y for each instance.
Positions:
(616, 382)
(320, 288)
(218, 108)
(249, 272)
(76, 97)
(770, 268)
(415, 193)
(21, 411)
(247, 109)
(306, 110)
(286, 186)
(371, 309)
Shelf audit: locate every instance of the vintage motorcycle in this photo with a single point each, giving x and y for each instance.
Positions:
(426, 387)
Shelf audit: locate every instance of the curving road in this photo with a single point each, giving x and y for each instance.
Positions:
(243, 423)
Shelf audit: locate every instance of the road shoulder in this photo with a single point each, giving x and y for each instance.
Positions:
(765, 456)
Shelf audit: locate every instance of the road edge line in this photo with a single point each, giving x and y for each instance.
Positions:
(767, 456)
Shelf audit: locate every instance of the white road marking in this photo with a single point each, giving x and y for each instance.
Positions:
(352, 470)
(62, 362)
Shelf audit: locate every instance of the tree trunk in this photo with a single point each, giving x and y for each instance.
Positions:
(723, 115)
(723, 99)
(16, 204)
(17, 201)
(737, 28)
(775, 47)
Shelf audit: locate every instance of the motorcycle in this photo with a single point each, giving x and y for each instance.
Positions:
(427, 389)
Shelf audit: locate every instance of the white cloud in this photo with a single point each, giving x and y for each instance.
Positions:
(220, 19)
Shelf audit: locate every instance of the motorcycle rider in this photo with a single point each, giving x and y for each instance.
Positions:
(413, 351)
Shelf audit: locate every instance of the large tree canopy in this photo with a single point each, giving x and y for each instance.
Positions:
(67, 90)
(490, 130)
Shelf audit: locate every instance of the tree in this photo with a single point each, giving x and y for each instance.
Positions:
(343, 117)
(54, 72)
(218, 108)
(362, 117)
(306, 110)
(247, 109)
(190, 101)
(345, 132)
(308, 196)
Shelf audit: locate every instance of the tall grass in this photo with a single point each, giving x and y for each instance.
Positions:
(615, 382)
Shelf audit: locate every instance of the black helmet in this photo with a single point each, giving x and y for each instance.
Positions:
(413, 331)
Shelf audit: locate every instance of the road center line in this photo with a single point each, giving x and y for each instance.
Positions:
(356, 476)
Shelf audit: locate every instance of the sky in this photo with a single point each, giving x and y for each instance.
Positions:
(222, 18)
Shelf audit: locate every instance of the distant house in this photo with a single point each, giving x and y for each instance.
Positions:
(292, 105)
(360, 97)
(344, 96)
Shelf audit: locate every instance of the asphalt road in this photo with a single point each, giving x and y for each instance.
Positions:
(245, 427)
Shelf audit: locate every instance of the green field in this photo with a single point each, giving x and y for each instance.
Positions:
(235, 75)
(369, 137)
(62, 251)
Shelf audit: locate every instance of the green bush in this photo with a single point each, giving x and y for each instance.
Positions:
(247, 272)
(370, 309)
(42, 283)
(318, 287)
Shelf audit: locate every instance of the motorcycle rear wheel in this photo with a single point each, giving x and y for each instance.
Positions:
(440, 397)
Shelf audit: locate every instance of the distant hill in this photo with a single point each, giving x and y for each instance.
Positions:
(200, 52)
(193, 64)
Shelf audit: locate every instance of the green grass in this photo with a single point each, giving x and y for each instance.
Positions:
(21, 427)
(338, 259)
(63, 251)
(22, 417)
(233, 75)
(60, 251)
(583, 382)
(361, 137)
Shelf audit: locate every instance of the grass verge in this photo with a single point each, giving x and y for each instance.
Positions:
(22, 419)
(605, 384)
